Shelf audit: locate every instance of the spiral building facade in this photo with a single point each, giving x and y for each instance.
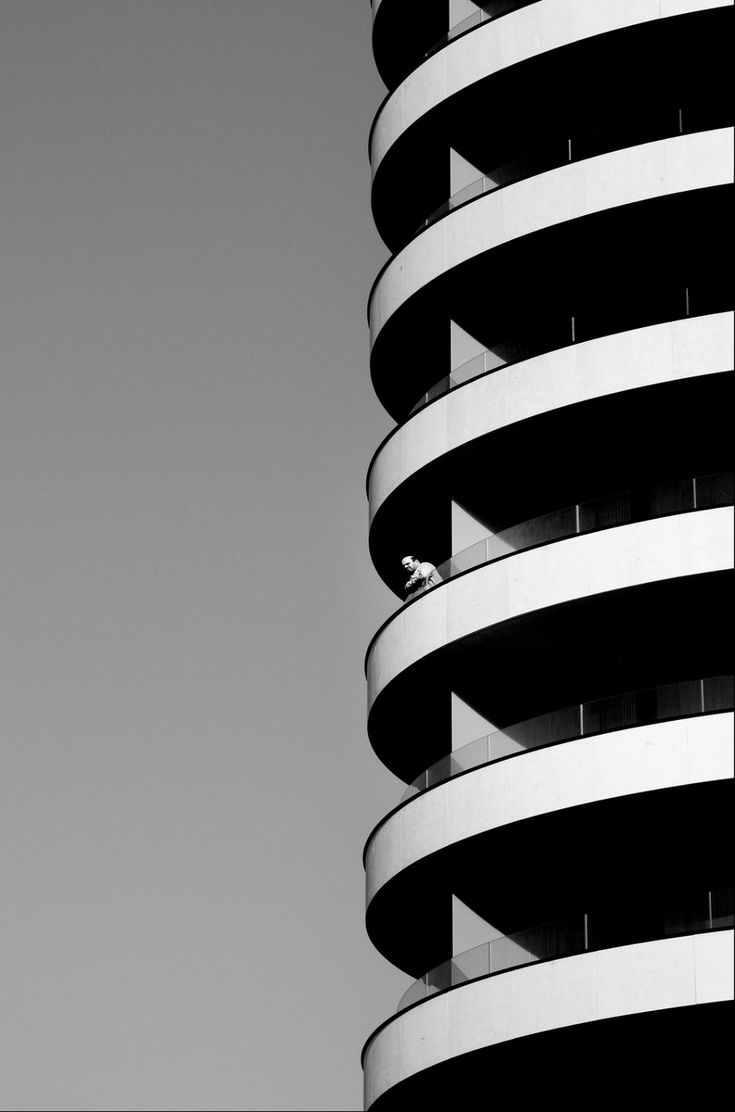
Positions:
(553, 335)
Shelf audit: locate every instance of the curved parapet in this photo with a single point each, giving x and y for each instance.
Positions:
(441, 1044)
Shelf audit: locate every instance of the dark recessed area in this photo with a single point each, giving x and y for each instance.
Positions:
(668, 1056)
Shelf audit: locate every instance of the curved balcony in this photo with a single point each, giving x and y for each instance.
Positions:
(596, 322)
(579, 189)
(643, 504)
(643, 1004)
(644, 126)
(582, 393)
(531, 32)
(662, 202)
(613, 764)
(583, 520)
(568, 828)
(690, 913)
(552, 335)
(535, 615)
(616, 712)
(489, 11)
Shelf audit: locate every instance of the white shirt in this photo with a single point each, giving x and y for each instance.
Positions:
(425, 571)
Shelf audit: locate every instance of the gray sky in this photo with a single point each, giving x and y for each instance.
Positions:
(187, 418)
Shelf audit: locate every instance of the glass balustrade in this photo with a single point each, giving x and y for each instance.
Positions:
(541, 336)
(616, 712)
(550, 335)
(484, 14)
(625, 508)
(550, 157)
(478, 365)
(677, 914)
(580, 144)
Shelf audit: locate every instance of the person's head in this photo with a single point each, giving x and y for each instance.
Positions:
(410, 563)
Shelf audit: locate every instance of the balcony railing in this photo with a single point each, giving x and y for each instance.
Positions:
(686, 913)
(616, 712)
(478, 365)
(578, 145)
(642, 504)
(546, 335)
(484, 14)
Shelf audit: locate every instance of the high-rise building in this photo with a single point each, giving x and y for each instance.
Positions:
(552, 335)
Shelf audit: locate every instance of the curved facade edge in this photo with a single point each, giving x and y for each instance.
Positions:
(585, 565)
(493, 47)
(624, 177)
(539, 782)
(604, 984)
(611, 364)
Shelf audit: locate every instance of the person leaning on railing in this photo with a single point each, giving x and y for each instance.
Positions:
(423, 574)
